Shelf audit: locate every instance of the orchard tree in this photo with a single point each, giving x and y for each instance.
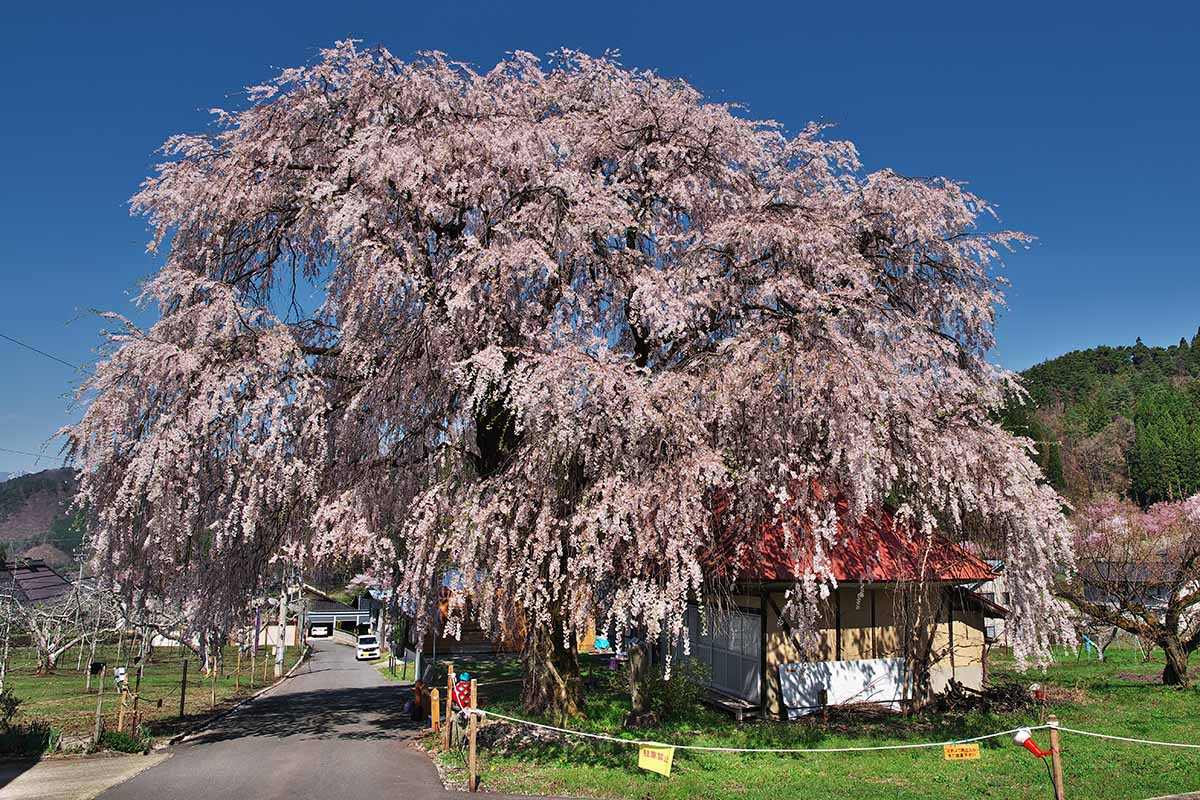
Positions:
(1139, 571)
(57, 625)
(525, 325)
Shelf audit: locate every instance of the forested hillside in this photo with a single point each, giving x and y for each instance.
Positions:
(1117, 419)
(36, 518)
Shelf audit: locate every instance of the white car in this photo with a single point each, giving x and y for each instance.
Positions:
(366, 648)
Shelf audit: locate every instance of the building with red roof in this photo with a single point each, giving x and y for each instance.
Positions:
(756, 660)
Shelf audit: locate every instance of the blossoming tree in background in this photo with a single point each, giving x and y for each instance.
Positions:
(1139, 571)
(524, 324)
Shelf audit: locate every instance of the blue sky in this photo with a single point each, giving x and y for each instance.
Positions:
(1081, 124)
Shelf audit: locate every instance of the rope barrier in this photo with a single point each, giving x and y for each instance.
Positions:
(702, 748)
(1128, 739)
(863, 749)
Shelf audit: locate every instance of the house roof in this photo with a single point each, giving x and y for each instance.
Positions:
(875, 548)
(989, 608)
(1149, 572)
(330, 607)
(32, 580)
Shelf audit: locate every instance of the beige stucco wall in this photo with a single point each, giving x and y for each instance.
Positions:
(860, 639)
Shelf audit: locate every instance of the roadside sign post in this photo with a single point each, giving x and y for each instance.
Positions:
(473, 727)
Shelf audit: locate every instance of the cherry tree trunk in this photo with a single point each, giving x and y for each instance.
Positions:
(639, 671)
(552, 684)
(47, 661)
(1176, 671)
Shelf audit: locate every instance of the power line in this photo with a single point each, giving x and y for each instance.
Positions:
(27, 453)
(39, 352)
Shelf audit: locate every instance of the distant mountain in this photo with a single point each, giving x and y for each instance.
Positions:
(4, 476)
(1117, 419)
(36, 517)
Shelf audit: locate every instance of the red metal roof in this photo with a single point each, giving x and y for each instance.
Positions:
(875, 548)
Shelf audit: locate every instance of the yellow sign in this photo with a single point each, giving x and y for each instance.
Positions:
(961, 752)
(656, 758)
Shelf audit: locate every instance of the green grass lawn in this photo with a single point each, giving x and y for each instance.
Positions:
(1119, 697)
(62, 701)
(403, 670)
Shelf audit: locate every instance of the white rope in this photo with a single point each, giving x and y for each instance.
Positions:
(1128, 739)
(640, 742)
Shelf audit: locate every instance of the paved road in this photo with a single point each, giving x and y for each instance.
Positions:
(332, 730)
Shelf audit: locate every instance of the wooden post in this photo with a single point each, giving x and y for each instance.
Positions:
(183, 688)
(1056, 758)
(449, 703)
(121, 713)
(237, 681)
(212, 682)
(435, 710)
(99, 708)
(473, 726)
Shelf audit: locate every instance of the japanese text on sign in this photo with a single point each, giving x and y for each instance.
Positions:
(961, 752)
(656, 758)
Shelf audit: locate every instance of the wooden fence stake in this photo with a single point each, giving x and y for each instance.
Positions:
(237, 681)
(183, 688)
(121, 714)
(435, 710)
(99, 709)
(212, 678)
(472, 728)
(1056, 758)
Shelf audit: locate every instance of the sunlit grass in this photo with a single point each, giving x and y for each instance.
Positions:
(62, 700)
(1120, 696)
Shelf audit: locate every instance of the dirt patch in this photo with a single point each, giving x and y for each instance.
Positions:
(1064, 695)
(1138, 677)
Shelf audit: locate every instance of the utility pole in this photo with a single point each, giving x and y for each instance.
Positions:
(301, 611)
(79, 609)
(137, 686)
(99, 708)
(254, 641)
(4, 603)
(183, 688)
(281, 645)
(95, 635)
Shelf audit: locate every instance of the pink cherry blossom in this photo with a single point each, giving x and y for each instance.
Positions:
(525, 324)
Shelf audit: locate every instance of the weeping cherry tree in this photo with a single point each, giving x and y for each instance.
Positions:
(523, 326)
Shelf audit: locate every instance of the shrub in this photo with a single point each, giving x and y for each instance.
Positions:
(123, 742)
(9, 703)
(669, 698)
